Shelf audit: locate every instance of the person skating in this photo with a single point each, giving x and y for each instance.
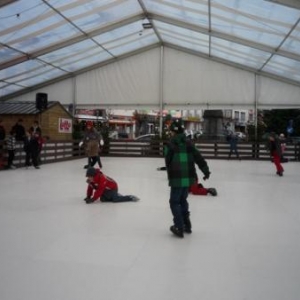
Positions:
(232, 139)
(274, 147)
(92, 141)
(181, 155)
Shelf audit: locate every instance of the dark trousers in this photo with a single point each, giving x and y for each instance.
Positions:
(114, 196)
(10, 159)
(233, 149)
(31, 157)
(92, 160)
(179, 205)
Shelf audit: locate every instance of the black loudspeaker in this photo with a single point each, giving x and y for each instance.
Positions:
(41, 101)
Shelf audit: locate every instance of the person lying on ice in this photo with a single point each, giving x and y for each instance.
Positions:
(102, 187)
(197, 188)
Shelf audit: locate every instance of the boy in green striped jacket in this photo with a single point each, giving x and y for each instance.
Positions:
(181, 155)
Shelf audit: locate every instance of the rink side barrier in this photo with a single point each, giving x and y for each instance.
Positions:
(56, 151)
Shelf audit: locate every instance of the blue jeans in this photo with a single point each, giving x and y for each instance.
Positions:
(179, 205)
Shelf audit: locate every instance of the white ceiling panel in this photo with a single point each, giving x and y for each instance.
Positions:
(46, 40)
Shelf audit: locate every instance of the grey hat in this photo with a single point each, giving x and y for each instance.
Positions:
(90, 172)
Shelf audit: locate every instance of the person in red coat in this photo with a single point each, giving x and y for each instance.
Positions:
(198, 189)
(274, 147)
(103, 187)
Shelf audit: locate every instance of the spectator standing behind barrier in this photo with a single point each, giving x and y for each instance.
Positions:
(32, 148)
(2, 139)
(2, 131)
(27, 149)
(36, 134)
(11, 148)
(35, 128)
(274, 147)
(92, 141)
(232, 139)
(181, 155)
(2, 134)
(20, 130)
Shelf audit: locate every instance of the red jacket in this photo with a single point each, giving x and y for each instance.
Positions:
(100, 183)
(198, 189)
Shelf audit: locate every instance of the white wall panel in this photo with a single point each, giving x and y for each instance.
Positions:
(276, 94)
(189, 81)
(203, 83)
(129, 82)
(61, 91)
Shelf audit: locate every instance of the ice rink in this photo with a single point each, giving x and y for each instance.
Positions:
(245, 243)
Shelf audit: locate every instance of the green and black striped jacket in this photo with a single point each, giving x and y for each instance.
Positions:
(181, 155)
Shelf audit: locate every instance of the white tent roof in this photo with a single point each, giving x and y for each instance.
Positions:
(43, 42)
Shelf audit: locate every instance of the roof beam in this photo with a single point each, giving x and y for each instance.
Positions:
(70, 75)
(78, 28)
(6, 2)
(146, 16)
(223, 36)
(232, 64)
(32, 55)
(73, 74)
(282, 42)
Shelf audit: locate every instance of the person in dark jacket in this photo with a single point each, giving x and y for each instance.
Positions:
(31, 148)
(181, 155)
(11, 149)
(2, 139)
(2, 131)
(232, 139)
(103, 187)
(20, 130)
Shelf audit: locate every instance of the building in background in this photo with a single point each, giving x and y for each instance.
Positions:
(133, 123)
(56, 122)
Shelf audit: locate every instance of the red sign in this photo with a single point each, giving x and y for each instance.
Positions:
(64, 125)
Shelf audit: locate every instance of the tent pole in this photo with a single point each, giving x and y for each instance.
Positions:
(255, 104)
(74, 96)
(161, 90)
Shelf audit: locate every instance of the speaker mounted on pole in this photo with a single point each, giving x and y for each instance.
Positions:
(41, 101)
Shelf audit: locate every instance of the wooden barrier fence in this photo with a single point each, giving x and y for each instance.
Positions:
(55, 151)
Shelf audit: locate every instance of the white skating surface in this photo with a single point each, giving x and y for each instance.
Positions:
(245, 243)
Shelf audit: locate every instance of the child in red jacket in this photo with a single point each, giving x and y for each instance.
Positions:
(199, 189)
(104, 188)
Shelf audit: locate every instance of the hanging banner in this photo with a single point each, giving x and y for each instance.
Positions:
(64, 125)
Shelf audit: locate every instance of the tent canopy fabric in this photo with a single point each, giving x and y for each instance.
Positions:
(156, 53)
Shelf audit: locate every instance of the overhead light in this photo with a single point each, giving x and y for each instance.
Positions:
(147, 25)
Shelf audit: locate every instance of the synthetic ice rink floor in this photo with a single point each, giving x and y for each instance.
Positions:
(245, 243)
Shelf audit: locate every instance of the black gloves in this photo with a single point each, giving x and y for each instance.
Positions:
(206, 175)
(89, 200)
